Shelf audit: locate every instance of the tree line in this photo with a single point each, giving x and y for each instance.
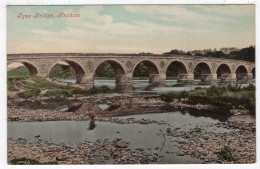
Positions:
(246, 54)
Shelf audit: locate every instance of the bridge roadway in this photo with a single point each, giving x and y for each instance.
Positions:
(85, 65)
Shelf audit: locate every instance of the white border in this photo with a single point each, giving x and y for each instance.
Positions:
(3, 103)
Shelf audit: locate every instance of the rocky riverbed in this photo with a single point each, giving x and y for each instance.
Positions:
(196, 142)
(99, 152)
(205, 145)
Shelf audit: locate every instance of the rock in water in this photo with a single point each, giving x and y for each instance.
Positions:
(121, 144)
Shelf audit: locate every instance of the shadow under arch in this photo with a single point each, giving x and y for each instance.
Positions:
(117, 67)
(152, 69)
(176, 69)
(202, 71)
(78, 69)
(241, 72)
(223, 71)
(33, 70)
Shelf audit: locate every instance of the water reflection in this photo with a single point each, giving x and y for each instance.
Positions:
(128, 108)
(143, 86)
(92, 124)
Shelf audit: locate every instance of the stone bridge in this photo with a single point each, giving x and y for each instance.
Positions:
(85, 65)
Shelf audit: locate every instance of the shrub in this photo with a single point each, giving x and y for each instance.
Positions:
(226, 153)
(27, 161)
(166, 97)
(29, 93)
(11, 85)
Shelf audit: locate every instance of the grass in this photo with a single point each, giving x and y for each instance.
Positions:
(225, 97)
(34, 85)
(11, 84)
(27, 161)
(221, 97)
(226, 153)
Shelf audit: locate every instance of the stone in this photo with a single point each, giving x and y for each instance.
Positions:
(121, 144)
(61, 156)
(14, 117)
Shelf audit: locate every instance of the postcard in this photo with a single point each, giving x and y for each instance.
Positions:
(131, 84)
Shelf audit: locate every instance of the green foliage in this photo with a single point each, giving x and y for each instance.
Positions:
(38, 82)
(11, 85)
(247, 54)
(167, 97)
(215, 54)
(27, 161)
(34, 85)
(21, 71)
(29, 93)
(105, 70)
(62, 71)
(171, 71)
(170, 96)
(140, 71)
(100, 89)
(177, 52)
(225, 97)
(226, 153)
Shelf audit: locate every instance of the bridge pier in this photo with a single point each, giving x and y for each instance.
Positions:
(209, 77)
(124, 82)
(81, 78)
(228, 77)
(87, 80)
(157, 78)
(125, 79)
(185, 77)
(250, 76)
(242, 76)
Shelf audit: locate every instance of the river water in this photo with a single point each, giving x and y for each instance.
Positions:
(146, 136)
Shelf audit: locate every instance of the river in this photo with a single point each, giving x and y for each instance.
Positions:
(146, 136)
(149, 137)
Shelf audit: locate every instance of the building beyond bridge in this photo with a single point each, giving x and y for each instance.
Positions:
(85, 66)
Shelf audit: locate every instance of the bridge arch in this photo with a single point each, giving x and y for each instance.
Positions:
(176, 68)
(223, 71)
(33, 70)
(152, 69)
(202, 71)
(117, 67)
(241, 72)
(78, 69)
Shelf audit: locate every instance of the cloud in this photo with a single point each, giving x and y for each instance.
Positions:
(97, 32)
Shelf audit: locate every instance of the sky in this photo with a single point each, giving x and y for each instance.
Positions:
(130, 28)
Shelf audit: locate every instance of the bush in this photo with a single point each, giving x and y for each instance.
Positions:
(225, 97)
(27, 161)
(226, 153)
(170, 96)
(96, 90)
(11, 85)
(29, 93)
(166, 97)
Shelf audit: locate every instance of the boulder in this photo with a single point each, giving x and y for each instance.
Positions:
(61, 156)
(121, 144)
(14, 117)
